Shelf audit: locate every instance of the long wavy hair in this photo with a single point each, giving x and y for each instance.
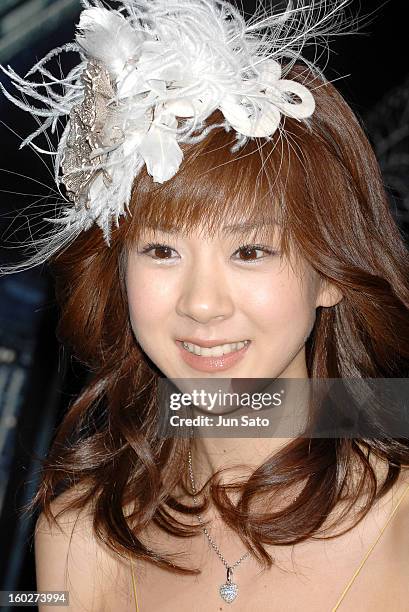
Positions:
(322, 180)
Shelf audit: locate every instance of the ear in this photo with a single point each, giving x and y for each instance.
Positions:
(328, 294)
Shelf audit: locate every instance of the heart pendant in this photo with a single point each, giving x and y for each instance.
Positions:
(228, 591)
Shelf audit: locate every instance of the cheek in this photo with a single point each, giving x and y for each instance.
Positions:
(144, 289)
(281, 306)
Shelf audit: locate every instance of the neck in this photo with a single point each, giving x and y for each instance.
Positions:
(240, 456)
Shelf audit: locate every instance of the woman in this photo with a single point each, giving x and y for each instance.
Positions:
(288, 245)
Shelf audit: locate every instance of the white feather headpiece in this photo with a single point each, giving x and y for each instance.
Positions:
(150, 73)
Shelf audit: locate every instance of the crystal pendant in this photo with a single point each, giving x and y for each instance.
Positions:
(228, 591)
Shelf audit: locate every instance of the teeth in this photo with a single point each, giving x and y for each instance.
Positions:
(215, 351)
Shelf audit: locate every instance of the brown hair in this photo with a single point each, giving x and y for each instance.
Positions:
(322, 180)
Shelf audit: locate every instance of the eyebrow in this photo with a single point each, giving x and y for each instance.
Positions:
(247, 225)
(235, 228)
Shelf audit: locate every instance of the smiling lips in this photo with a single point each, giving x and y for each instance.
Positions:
(230, 354)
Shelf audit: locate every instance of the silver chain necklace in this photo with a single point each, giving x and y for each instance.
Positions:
(229, 590)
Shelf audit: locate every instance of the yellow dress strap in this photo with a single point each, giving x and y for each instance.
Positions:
(348, 586)
(134, 585)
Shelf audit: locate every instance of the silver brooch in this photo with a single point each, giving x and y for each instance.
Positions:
(88, 122)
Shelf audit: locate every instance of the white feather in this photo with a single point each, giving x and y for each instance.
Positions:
(108, 37)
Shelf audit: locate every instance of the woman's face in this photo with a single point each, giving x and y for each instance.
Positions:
(219, 291)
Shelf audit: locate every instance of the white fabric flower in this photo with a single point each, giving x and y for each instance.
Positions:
(159, 148)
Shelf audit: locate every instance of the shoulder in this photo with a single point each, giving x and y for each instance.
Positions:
(69, 557)
(400, 523)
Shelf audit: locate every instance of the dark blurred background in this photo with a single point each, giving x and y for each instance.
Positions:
(37, 377)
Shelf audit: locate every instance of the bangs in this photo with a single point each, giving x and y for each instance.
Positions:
(215, 191)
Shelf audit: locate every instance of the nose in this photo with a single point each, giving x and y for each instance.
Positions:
(205, 294)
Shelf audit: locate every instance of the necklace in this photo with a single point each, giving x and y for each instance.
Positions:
(229, 590)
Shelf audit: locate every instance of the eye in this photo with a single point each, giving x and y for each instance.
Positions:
(249, 249)
(163, 252)
(158, 248)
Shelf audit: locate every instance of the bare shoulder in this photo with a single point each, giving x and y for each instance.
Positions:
(69, 557)
(400, 522)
